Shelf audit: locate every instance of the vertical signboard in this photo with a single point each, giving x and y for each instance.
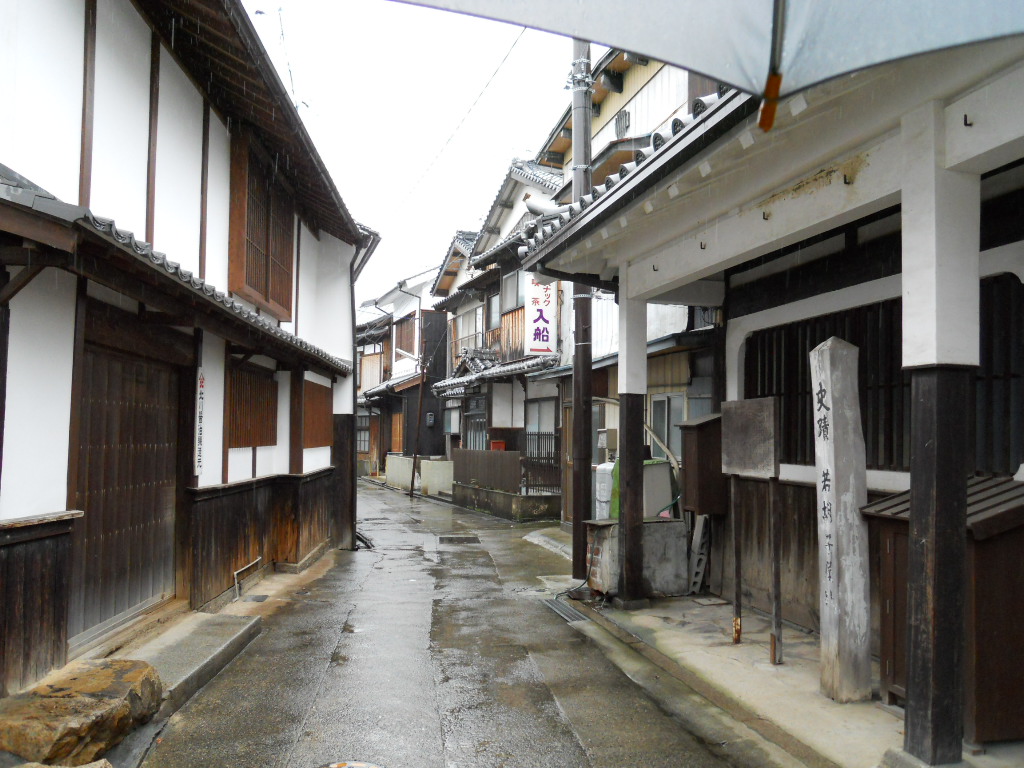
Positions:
(541, 325)
(841, 480)
(200, 403)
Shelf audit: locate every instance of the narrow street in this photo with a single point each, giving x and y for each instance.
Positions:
(436, 648)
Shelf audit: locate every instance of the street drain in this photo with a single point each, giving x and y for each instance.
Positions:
(565, 610)
(458, 539)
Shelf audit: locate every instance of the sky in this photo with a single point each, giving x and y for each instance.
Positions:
(416, 112)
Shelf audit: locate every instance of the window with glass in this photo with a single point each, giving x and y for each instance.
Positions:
(541, 427)
(513, 290)
(493, 312)
(667, 412)
(362, 433)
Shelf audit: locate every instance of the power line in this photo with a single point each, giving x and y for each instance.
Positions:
(472, 106)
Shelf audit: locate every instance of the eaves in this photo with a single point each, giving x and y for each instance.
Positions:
(688, 145)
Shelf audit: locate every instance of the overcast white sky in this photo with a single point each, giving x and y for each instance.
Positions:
(382, 88)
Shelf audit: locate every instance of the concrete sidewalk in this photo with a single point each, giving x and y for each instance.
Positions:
(691, 639)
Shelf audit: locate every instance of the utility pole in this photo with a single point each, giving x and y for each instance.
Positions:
(582, 415)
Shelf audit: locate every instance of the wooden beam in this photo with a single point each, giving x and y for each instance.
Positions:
(5, 334)
(88, 102)
(31, 226)
(297, 398)
(77, 395)
(19, 256)
(22, 279)
(204, 185)
(154, 108)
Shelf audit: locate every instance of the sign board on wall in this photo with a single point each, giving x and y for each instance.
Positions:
(200, 403)
(541, 326)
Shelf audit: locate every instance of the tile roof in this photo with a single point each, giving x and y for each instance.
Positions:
(19, 191)
(481, 370)
(682, 137)
(460, 247)
(528, 172)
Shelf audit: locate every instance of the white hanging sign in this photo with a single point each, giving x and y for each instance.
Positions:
(200, 403)
(541, 326)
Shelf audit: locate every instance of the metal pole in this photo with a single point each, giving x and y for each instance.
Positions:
(582, 422)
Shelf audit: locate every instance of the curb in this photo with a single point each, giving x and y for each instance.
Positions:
(735, 709)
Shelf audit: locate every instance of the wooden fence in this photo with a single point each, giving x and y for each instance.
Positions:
(281, 519)
(498, 470)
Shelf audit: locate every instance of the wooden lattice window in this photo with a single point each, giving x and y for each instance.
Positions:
(317, 419)
(262, 228)
(252, 407)
(405, 335)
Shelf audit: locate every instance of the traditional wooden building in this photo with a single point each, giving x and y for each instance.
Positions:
(400, 354)
(176, 322)
(883, 208)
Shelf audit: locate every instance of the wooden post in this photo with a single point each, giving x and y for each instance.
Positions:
(940, 461)
(941, 224)
(296, 413)
(631, 497)
(737, 560)
(775, 532)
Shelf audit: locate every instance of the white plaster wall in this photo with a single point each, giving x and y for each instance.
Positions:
(304, 320)
(538, 388)
(604, 328)
(333, 325)
(213, 413)
(239, 464)
(41, 78)
(218, 204)
(316, 458)
(274, 459)
(179, 166)
(665, 319)
(120, 149)
(38, 407)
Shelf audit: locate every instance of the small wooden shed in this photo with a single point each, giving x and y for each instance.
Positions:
(994, 676)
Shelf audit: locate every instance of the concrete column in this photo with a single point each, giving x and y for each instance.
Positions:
(941, 223)
(632, 394)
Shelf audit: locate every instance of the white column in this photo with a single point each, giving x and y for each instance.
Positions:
(941, 226)
(632, 342)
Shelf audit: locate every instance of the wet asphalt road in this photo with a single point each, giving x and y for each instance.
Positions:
(435, 649)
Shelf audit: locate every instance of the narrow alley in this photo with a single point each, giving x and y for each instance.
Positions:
(436, 648)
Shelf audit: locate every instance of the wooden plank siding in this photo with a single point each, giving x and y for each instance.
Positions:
(318, 402)
(513, 328)
(498, 470)
(281, 519)
(35, 575)
(252, 407)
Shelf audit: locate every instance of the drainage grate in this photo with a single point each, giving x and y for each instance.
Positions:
(565, 610)
(459, 539)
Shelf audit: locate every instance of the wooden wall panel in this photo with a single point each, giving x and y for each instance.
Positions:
(252, 408)
(35, 568)
(318, 426)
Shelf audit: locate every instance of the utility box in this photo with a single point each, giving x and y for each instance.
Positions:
(994, 676)
(604, 485)
(705, 489)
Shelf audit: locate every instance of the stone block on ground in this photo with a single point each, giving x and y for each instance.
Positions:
(79, 712)
(97, 764)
